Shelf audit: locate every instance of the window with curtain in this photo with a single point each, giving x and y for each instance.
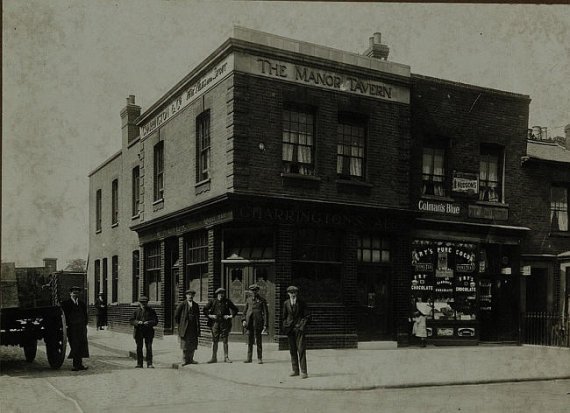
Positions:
(433, 171)
(298, 141)
(203, 146)
(115, 202)
(152, 271)
(136, 199)
(559, 208)
(351, 140)
(490, 174)
(196, 275)
(159, 171)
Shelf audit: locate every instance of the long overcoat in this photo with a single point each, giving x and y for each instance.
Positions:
(76, 321)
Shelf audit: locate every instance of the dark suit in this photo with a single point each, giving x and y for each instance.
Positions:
(188, 319)
(101, 307)
(256, 317)
(76, 321)
(220, 326)
(295, 319)
(144, 332)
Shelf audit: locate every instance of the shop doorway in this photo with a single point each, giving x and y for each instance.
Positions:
(499, 315)
(374, 304)
(237, 279)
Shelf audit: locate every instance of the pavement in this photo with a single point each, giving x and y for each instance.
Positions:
(360, 369)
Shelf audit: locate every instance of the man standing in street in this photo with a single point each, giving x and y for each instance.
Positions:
(295, 319)
(76, 319)
(187, 316)
(144, 319)
(220, 311)
(256, 316)
(101, 307)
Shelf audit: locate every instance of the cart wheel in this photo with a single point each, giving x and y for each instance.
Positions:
(30, 350)
(56, 342)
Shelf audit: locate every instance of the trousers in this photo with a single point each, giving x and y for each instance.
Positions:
(148, 344)
(254, 335)
(297, 348)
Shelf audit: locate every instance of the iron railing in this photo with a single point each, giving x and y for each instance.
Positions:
(545, 329)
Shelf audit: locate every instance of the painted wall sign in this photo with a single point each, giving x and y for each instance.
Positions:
(190, 93)
(439, 207)
(318, 77)
(488, 212)
(465, 183)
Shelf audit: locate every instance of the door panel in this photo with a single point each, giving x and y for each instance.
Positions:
(373, 319)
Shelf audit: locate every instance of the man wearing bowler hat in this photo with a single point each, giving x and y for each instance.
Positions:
(256, 317)
(76, 319)
(187, 316)
(143, 320)
(295, 318)
(220, 311)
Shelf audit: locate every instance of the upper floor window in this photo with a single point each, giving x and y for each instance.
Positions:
(298, 142)
(136, 191)
(114, 279)
(351, 139)
(559, 208)
(159, 171)
(98, 210)
(203, 146)
(433, 171)
(491, 174)
(115, 202)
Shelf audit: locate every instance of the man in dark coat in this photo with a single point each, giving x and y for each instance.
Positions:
(187, 316)
(101, 307)
(144, 319)
(220, 311)
(295, 319)
(256, 317)
(76, 320)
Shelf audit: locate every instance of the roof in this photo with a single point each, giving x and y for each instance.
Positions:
(547, 151)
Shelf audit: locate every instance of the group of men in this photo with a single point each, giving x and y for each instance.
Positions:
(219, 312)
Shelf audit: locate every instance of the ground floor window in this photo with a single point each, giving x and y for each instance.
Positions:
(114, 279)
(136, 275)
(153, 264)
(97, 288)
(196, 272)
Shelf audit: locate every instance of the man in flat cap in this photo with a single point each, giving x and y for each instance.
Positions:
(256, 317)
(187, 316)
(144, 319)
(220, 311)
(76, 320)
(295, 318)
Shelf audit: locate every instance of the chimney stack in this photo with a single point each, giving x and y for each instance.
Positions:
(129, 115)
(376, 49)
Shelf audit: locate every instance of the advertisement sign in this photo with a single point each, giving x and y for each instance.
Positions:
(465, 183)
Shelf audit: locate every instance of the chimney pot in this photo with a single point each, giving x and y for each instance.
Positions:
(378, 38)
(131, 100)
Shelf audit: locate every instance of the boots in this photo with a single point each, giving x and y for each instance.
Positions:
(214, 358)
(226, 352)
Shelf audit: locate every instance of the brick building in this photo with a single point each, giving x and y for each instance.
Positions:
(281, 162)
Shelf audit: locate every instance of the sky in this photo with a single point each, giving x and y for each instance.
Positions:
(69, 65)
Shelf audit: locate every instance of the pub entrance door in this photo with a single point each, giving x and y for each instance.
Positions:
(499, 308)
(238, 276)
(374, 304)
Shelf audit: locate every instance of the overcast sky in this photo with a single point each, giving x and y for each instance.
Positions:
(69, 65)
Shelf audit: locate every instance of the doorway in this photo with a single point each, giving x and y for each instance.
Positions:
(499, 316)
(374, 304)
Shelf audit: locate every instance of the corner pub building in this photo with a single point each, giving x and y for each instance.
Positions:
(281, 162)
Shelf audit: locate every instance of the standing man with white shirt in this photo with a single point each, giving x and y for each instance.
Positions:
(76, 320)
(295, 318)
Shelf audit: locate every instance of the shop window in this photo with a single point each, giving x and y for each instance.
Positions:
(196, 275)
(298, 141)
(136, 275)
(158, 171)
(491, 174)
(433, 171)
(152, 271)
(104, 280)
(98, 205)
(136, 191)
(559, 208)
(248, 244)
(351, 139)
(317, 264)
(373, 249)
(114, 278)
(203, 147)
(97, 288)
(115, 202)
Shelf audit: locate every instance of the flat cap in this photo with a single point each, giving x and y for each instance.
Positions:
(75, 288)
(220, 290)
(254, 287)
(292, 289)
(143, 299)
(190, 291)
